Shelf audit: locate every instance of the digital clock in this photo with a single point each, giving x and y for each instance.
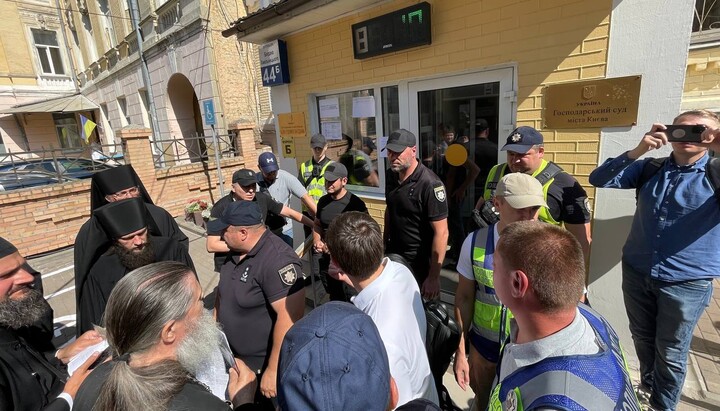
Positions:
(399, 30)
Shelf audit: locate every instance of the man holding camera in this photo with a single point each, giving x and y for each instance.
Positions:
(478, 312)
(567, 202)
(670, 256)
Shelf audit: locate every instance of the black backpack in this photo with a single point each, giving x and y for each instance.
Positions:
(712, 173)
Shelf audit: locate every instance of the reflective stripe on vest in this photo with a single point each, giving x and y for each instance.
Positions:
(487, 310)
(316, 186)
(577, 382)
(497, 172)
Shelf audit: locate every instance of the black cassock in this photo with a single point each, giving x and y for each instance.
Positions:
(108, 270)
(30, 378)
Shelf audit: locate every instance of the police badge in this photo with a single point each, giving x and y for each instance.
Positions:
(288, 274)
(440, 193)
(516, 137)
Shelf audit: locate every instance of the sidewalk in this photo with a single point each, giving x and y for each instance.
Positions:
(702, 386)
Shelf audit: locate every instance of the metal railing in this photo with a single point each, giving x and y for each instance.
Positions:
(23, 169)
(187, 150)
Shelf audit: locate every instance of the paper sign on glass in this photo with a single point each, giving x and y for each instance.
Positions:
(382, 142)
(332, 130)
(329, 108)
(363, 107)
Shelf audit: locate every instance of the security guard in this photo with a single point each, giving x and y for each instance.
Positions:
(416, 213)
(259, 296)
(567, 200)
(359, 165)
(560, 354)
(483, 319)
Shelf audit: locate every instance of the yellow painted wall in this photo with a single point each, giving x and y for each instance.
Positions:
(15, 57)
(550, 40)
(702, 79)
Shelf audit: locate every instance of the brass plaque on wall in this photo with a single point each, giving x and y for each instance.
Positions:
(609, 102)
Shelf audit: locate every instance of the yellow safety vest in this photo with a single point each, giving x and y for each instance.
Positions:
(487, 312)
(497, 172)
(315, 185)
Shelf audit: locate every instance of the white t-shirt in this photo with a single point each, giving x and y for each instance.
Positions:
(393, 302)
(464, 264)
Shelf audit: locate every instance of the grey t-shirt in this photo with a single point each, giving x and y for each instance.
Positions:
(284, 186)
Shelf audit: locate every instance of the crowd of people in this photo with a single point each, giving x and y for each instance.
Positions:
(528, 338)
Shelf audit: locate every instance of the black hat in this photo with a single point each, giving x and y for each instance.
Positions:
(318, 141)
(522, 139)
(239, 214)
(481, 124)
(111, 181)
(399, 140)
(244, 177)
(6, 248)
(123, 217)
(335, 171)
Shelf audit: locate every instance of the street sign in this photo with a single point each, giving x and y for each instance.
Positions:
(274, 64)
(209, 112)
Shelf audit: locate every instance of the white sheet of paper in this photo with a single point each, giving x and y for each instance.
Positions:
(329, 108)
(332, 130)
(363, 107)
(82, 356)
(382, 142)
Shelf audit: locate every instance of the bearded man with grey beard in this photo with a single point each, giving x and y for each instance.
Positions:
(31, 376)
(160, 336)
(126, 223)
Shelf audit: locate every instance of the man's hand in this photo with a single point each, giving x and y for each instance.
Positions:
(268, 383)
(652, 140)
(86, 340)
(462, 370)
(431, 287)
(73, 383)
(242, 384)
(711, 139)
(320, 247)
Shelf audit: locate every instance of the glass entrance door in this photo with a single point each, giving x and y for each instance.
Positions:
(468, 117)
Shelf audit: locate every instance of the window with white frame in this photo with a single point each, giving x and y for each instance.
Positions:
(706, 21)
(48, 51)
(354, 129)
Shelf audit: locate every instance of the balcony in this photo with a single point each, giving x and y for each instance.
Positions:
(60, 83)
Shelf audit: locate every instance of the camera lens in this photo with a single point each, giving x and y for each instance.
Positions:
(678, 133)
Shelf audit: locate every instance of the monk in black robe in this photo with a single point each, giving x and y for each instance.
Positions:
(33, 375)
(132, 246)
(91, 241)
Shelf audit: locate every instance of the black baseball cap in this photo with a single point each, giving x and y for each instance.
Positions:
(244, 177)
(318, 141)
(335, 171)
(400, 140)
(522, 139)
(239, 214)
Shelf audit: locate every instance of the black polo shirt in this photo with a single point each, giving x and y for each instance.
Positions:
(264, 201)
(411, 207)
(269, 272)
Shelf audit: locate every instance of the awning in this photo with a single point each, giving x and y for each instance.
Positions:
(69, 104)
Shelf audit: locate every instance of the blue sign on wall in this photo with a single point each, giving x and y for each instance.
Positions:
(209, 112)
(273, 64)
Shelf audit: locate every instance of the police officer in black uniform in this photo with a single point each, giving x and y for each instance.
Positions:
(259, 296)
(416, 213)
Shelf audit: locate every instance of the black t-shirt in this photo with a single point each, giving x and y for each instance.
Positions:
(247, 287)
(267, 205)
(411, 208)
(566, 199)
(328, 209)
(485, 156)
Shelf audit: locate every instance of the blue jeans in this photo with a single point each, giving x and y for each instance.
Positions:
(662, 318)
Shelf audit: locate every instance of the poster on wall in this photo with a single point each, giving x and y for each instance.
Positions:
(332, 130)
(329, 107)
(363, 107)
(292, 125)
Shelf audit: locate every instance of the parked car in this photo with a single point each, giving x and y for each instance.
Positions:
(14, 180)
(63, 167)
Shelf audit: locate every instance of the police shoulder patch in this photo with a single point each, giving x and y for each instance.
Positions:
(288, 274)
(440, 193)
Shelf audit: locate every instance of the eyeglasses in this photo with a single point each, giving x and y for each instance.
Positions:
(121, 195)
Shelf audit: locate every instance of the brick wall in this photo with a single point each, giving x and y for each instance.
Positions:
(46, 218)
(702, 79)
(550, 41)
